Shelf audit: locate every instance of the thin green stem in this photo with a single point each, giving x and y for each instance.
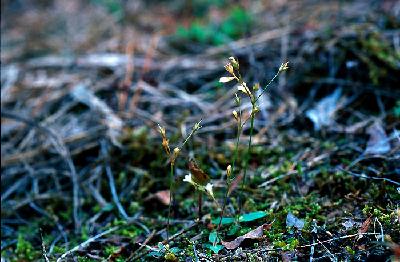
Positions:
(239, 131)
(236, 154)
(266, 87)
(194, 129)
(247, 156)
(171, 179)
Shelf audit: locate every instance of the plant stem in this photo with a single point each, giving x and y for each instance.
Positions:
(171, 179)
(200, 204)
(247, 156)
(239, 131)
(266, 88)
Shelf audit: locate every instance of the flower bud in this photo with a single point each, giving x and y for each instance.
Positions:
(255, 110)
(175, 155)
(284, 66)
(228, 171)
(237, 99)
(256, 87)
(229, 68)
(197, 126)
(234, 62)
(235, 115)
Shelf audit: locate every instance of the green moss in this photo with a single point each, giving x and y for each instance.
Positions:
(235, 25)
(109, 250)
(25, 250)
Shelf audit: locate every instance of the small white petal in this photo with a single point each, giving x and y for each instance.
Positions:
(226, 79)
(188, 178)
(241, 88)
(209, 189)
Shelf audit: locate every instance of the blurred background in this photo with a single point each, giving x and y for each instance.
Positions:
(84, 84)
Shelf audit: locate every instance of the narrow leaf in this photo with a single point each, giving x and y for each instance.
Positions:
(225, 221)
(252, 216)
(213, 237)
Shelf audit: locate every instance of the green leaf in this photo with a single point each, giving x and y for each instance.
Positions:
(213, 237)
(175, 250)
(156, 254)
(160, 246)
(252, 216)
(233, 229)
(225, 221)
(216, 248)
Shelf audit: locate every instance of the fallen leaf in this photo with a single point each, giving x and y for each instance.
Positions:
(365, 226)
(254, 234)
(291, 221)
(162, 197)
(323, 113)
(349, 224)
(378, 142)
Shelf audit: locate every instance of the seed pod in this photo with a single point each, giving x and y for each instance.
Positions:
(175, 155)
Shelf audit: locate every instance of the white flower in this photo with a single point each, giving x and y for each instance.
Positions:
(226, 79)
(188, 178)
(209, 189)
(243, 87)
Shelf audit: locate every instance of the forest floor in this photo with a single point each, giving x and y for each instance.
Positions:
(86, 85)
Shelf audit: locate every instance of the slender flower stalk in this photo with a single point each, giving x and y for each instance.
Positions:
(231, 169)
(233, 69)
(172, 157)
(171, 179)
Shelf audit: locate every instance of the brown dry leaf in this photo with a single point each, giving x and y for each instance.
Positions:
(162, 197)
(254, 234)
(365, 226)
(199, 176)
(396, 250)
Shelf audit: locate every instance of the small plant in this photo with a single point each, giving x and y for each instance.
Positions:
(233, 69)
(172, 158)
(237, 24)
(230, 169)
(200, 180)
(165, 251)
(214, 240)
